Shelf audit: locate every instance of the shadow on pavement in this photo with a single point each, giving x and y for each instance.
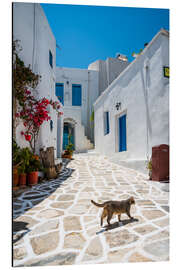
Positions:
(117, 224)
(41, 191)
(19, 226)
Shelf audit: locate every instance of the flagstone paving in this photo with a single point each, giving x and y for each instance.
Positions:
(56, 224)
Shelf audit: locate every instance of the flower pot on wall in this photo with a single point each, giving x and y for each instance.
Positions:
(22, 179)
(32, 178)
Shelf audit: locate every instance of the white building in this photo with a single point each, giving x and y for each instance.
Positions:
(31, 28)
(109, 70)
(132, 114)
(131, 100)
(79, 89)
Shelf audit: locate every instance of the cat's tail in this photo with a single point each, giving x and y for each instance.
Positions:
(98, 204)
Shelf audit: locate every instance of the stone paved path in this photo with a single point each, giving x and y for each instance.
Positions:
(55, 222)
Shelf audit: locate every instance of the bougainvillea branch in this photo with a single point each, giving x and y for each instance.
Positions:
(31, 110)
(34, 112)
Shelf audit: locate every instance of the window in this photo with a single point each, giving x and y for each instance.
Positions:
(60, 92)
(50, 59)
(106, 123)
(76, 95)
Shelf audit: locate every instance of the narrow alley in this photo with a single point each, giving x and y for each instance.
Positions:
(55, 222)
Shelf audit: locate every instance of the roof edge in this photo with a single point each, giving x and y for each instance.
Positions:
(161, 32)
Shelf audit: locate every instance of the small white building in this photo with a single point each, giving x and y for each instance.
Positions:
(77, 89)
(31, 28)
(132, 114)
(109, 70)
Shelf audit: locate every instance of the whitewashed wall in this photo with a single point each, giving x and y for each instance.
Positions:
(89, 83)
(31, 27)
(108, 71)
(144, 96)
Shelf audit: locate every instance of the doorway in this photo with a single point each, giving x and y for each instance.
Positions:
(122, 133)
(68, 130)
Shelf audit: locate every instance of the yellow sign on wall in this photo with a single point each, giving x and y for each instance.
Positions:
(166, 72)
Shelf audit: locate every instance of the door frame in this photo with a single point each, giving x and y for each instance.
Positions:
(124, 112)
(71, 122)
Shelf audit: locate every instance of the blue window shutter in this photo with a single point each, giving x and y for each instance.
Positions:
(60, 92)
(106, 123)
(76, 95)
(50, 59)
(122, 134)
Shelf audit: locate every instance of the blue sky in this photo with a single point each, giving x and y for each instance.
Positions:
(88, 33)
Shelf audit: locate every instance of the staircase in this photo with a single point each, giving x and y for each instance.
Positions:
(83, 142)
(89, 143)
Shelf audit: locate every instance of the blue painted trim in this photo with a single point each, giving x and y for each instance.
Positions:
(50, 59)
(106, 123)
(122, 134)
(76, 95)
(60, 92)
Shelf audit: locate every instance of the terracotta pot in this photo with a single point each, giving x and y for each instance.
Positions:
(22, 179)
(32, 178)
(36, 157)
(67, 155)
(15, 177)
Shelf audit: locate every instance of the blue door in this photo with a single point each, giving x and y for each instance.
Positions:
(66, 134)
(122, 133)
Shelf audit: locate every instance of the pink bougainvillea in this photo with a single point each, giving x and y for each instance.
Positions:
(34, 112)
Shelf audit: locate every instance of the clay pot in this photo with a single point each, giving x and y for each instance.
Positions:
(22, 179)
(67, 155)
(15, 177)
(32, 178)
(36, 157)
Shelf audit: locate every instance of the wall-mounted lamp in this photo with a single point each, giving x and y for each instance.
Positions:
(118, 106)
(51, 125)
(67, 82)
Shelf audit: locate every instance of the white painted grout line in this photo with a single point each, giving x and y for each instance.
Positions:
(83, 177)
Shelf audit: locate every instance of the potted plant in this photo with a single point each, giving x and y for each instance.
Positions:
(25, 155)
(33, 168)
(22, 175)
(69, 149)
(16, 163)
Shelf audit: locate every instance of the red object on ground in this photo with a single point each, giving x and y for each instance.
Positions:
(160, 162)
(22, 179)
(32, 178)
